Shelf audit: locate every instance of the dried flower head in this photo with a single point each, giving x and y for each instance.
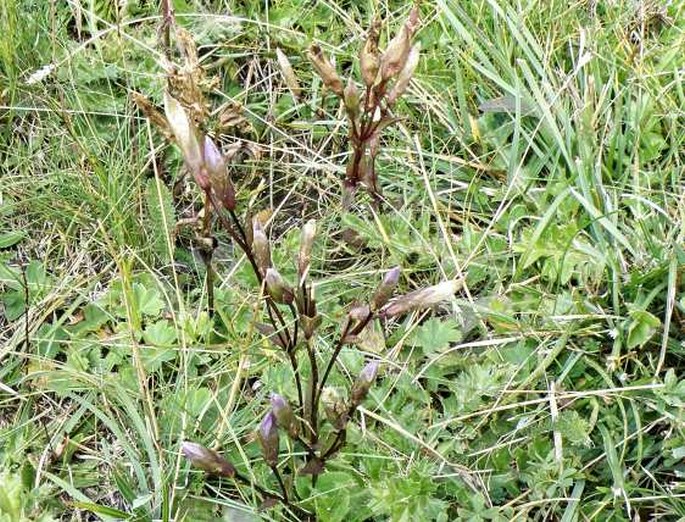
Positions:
(186, 137)
(325, 70)
(405, 75)
(420, 299)
(288, 74)
(369, 57)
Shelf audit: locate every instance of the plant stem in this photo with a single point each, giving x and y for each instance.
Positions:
(281, 484)
(338, 347)
(313, 414)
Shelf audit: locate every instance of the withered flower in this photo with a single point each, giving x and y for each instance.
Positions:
(288, 74)
(186, 137)
(420, 299)
(395, 56)
(325, 69)
(405, 75)
(369, 57)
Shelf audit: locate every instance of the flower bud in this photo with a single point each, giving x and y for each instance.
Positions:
(304, 257)
(206, 459)
(279, 291)
(420, 299)
(369, 58)
(334, 408)
(361, 386)
(395, 56)
(325, 69)
(309, 325)
(288, 74)
(268, 438)
(351, 98)
(386, 288)
(184, 132)
(218, 177)
(284, 415)
(405, 75)
(260, 247)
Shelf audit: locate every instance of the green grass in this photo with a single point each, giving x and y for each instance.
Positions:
(548, 389)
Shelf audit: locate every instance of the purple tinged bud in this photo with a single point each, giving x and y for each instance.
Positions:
(284, 414)
(268, 438)
(260, 247)
(215, 166)
(369, 372)
(363, 383)
(386, 288)
(279, 291)
(214, 160)
(351, 98)
(207, 459)
(304, 257)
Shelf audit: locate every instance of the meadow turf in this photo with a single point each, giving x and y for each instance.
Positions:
(537, 158)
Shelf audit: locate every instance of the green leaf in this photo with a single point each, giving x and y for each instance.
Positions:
(642, 327)
(148, 300)
(160, 333)
(11, 238)
(435, 335)
(333, 496)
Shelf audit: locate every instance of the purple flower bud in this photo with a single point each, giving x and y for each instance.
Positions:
(386, 288)
(214, 160)
(279, 291)
(215, 166)
(268, 438)
(207, 459)
(304, 256)
(284, 414)
(334, 407)
(363, 383)
(260, 247)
